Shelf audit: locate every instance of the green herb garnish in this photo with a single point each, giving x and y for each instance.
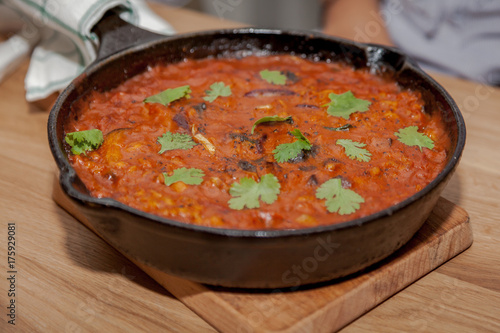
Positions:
(339, 199)
(217, 89)
(171, 141)
(341, 128)
(355, 150)
(288, 151)
(168, 96)
(190, 176)
(248, 192)
(83, 141)
(345, 104)
(411, 137)
(273, 77)
(269, 119)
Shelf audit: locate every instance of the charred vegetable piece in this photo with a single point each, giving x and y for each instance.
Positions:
(307, 106)
(242, 137)
(292, 77)
(270, 92)
(246, 166)
(345, 127)
(181, 120)
(200, 108)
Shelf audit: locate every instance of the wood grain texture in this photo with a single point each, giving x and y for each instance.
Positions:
(71, 281)
(325, 307)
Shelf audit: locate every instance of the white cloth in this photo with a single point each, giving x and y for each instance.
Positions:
(66, 45)
(459, 37)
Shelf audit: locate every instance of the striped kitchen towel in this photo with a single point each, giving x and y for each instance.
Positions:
(61, 31)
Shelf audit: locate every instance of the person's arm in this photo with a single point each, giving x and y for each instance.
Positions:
(359, 20)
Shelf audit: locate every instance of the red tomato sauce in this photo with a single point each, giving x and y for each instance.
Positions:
(128, 167)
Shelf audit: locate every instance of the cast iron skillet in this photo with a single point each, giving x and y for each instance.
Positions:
(243, 258)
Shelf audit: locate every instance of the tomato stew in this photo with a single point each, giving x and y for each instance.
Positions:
(376, 167)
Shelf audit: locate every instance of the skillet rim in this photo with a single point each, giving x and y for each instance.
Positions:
(68, 174)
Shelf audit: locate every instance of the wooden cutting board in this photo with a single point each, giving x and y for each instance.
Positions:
(326, 307)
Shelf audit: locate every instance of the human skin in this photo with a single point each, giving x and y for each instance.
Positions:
(358, 20)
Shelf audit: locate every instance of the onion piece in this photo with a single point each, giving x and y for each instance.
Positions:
(264, 107)
(198, 137)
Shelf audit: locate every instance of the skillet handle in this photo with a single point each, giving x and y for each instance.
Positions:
(115, 34)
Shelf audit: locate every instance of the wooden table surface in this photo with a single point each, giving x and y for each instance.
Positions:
(68, 280)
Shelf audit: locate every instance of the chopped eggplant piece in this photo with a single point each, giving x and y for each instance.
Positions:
(312, 181)
(270, 93)
(307, 106)
(181, 120)
(246, 166)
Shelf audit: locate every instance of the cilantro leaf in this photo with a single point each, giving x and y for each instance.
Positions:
(269, 119)
(168, 96)
(273, 77)
(344, 104)
(299, 136)
(288, 151)
(411, 137)
(171, 141)
(187, 176)
(82, 141)
(339, 199)
(354, 150)
(217, 89)
(248, 192)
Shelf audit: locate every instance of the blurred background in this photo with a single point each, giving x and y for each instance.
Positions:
(283, 14)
